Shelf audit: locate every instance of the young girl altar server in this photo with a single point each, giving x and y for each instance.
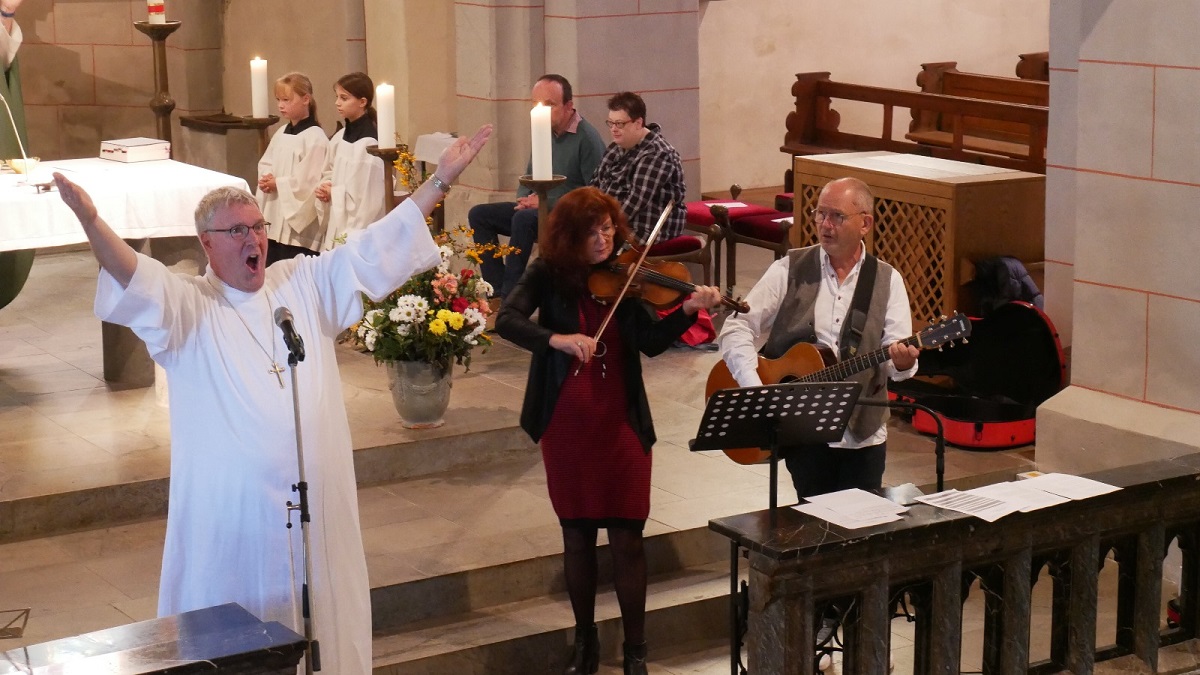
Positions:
(350, 195)
(290, 170)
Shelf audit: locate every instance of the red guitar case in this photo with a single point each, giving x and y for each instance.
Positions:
(987, 391)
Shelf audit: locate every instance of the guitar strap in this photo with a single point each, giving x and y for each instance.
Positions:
(856, 318)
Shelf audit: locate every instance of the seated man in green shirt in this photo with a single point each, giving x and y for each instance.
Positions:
(576, 150)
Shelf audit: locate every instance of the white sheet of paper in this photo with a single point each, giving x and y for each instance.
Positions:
(1014, 492)
(857, 503)
(1069, 486)
(787, 219)
(730, 205)
(845, 520)
(979, 506)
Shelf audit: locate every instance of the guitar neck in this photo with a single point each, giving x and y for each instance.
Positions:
(842, 370)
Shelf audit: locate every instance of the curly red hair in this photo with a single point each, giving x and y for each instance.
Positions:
(569, 226)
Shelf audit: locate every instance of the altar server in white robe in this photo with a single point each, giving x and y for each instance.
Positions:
(233, 455)
(290, 171)
(350, 195)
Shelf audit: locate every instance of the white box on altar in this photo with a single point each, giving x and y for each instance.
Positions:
(135, 149)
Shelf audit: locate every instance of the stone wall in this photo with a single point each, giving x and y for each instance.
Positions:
(1122, 186)
(751, 51)
(88, 74)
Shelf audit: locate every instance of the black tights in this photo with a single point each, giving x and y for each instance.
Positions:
(629, 576)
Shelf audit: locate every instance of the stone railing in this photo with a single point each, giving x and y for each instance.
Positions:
(932, 557)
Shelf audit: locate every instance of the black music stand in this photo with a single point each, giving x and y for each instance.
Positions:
(774, 416)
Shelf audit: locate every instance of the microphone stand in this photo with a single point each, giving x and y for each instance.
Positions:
(313, 662)
(12, 121)
(939, 448)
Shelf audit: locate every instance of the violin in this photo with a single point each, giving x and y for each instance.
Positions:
(659, 283)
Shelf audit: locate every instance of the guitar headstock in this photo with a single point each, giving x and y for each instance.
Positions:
(945, 331)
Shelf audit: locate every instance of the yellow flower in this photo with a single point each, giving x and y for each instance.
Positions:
(444, 314)
(474, 256)
(456, 320)
(437, 327)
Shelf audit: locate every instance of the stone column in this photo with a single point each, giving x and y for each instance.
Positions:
(1123, 188)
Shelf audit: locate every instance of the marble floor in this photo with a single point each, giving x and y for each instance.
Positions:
(64, 431)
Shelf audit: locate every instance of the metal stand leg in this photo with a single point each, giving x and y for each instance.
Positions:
(735, 623)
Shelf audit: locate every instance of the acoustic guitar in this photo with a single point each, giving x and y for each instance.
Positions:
(806, 362)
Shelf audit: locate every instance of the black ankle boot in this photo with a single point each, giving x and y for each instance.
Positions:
(635, 659)
(585, 656)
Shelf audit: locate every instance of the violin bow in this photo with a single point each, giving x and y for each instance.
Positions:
(637, 265)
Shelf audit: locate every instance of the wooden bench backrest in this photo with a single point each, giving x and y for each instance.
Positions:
(812, 128)
(945, 78)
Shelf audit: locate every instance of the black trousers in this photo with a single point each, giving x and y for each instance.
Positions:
(818, 469)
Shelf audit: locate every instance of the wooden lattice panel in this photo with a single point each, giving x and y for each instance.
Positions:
(912, 238)
(933, 219)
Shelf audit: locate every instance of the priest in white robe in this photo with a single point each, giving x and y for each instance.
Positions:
(233, 455)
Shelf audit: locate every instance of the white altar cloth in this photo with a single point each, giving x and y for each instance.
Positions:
(139, 201)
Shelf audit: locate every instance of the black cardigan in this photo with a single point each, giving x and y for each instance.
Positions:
(558, 312)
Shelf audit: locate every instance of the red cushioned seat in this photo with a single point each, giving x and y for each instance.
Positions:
(759, 230)
(762, 226)
(699, 213)
(681, 244)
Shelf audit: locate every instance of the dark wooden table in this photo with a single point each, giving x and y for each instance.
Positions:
(222, 639)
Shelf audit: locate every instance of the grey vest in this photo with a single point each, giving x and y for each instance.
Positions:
(794, 324)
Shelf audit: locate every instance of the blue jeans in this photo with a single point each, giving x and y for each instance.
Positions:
(489, 221)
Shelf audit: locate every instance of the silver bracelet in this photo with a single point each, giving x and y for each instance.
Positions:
(440, 184)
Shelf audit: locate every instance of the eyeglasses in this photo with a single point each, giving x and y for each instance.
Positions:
(239, 232)
(605, 231)
(616, 124)
(835, 218)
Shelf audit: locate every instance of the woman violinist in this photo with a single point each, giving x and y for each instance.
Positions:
(586, 404)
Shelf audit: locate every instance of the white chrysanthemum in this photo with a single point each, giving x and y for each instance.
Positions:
(483, 289)
(374, 317)
(446, 253)
(421, 306)
(404, 329)
(370, 340)
(396, 315)
(362, 329)
(475, 319)
(471, 340)
(410, 309)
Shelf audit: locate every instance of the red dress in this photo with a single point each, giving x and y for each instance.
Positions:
(596, 468)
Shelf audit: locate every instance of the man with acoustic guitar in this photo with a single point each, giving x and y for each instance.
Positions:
(833, 296)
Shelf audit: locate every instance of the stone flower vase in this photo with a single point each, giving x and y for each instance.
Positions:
(420, 391)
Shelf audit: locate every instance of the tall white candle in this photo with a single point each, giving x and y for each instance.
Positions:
(539, 124)
(385, 110)
(258, 88)
(157, 10)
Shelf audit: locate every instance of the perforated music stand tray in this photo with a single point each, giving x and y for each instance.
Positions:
(774, 416)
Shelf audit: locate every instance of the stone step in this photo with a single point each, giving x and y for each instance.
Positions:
(495, 580)
(97, 503)
(535, 635)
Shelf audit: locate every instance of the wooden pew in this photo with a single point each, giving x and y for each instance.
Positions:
(812, 128)
(1034, 66)
(981, 134)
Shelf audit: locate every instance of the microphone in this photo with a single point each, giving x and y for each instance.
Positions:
(295, 345)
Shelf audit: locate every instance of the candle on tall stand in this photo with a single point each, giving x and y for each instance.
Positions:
(258, 88)
(385, 110)
(539, 123)
(158, 11)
